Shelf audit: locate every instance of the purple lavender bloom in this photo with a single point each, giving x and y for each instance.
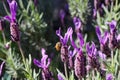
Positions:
(102, 39)
(77, 24)
(13, 9)
(71, 55)
(79, 65)
(112, 35)
(60, 77)
(80, 60)
(91, 50)
(14, 31)
(64, 39)
(109, 77)
(92, 55)
(103, 42)
(44, 64)
(1, 66)
(112, 26)
(79, 35)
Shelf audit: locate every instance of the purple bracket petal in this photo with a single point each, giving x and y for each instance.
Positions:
(98, 32)
(8, 18)
(81, 39)
(37, 63)
(58, 32)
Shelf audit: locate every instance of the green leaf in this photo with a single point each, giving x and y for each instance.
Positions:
(71, 75)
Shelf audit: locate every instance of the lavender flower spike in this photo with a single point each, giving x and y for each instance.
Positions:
(1, 66)
(91, 50)
(79, 65)
(112, 26)
(92, 55)
(79, 35)
(112, 36)
(64, 39)
(103, 42)
(102, 39)
(13, 9)
(44, 64)
(14, 31)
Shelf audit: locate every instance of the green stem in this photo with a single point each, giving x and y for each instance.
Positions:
(21, 51)
(65, 67)
(5, 8)
(4, 39)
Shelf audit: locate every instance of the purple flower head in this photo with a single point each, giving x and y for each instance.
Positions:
(79, 64)
(77, 23)
(45, 61)
(64, 39)
(112, 26)
(109, 77)
(60, 77)
(102, 39)
(13, 9)
(71, 55)
(79, 35)
(1, 66)
(91, 50)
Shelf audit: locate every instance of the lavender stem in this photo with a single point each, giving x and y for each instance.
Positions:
(4, 39)
(5, 7)
(21, 51)
(65, 67)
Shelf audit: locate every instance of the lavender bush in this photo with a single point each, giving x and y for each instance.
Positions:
(77, 51)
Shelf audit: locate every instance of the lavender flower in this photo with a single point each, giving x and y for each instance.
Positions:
(80, 60)
(103, 41)
(44, 64)
(112, 35)
(92, 56)
(1, 66)
(13, 9)
(77, 24)
(12, 19)
(109, 77)
(63, 41)
(70, 63)
(79, 65)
